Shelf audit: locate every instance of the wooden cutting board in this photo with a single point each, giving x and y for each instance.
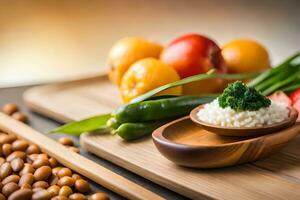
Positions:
(276, 177)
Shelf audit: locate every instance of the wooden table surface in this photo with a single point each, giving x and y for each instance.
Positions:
(43, 125)
(274, 177)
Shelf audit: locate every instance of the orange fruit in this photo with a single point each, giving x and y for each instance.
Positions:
(244, 55)
(145, 75)
(127, 51)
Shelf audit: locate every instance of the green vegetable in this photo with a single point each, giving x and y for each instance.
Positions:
(113, 123)
(133, 131)
(275, 78)
(282, 83)
(151, 110)
(276, 70)
(86, 125)
(160, 109)
(291, 88)
(239, 97)
(284, 77)
(193, 79)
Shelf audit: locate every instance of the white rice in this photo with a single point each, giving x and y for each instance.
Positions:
(212, 113)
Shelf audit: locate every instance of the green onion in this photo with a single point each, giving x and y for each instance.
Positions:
(291, 88)
(281, 75)
(280, 84)
(263, 76)
(192, 79)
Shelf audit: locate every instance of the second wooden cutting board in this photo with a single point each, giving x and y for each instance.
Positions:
(275, 178)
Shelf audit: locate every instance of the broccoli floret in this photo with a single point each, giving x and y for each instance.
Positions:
(239, 97)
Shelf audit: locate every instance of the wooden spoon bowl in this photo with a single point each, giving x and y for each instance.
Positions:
(187, 144)
(245, 131)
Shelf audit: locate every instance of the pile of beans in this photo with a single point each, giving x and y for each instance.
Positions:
(27, 173)
(68, 142)
(13, 110)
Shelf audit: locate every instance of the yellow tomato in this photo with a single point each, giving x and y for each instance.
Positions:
(244, 55)
(145, 75)
(127, 51)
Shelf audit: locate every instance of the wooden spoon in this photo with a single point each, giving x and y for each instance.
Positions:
(245, 131)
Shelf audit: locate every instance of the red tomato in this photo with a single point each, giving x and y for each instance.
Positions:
(193, 54)
(295, 96)
(281, 97)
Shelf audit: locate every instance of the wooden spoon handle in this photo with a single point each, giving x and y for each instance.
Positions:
(77, 162)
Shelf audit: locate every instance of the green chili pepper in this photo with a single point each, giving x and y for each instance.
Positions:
(152, 110)
(133, 131)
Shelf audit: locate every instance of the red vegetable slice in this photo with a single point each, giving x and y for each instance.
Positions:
(296, 105)
(281, 97)
(295, 96)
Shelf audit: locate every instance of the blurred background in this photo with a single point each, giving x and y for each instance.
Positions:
(57, 40)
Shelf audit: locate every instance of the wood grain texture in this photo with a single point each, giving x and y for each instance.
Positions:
(187, 144)
(77, 100)
(76, 162)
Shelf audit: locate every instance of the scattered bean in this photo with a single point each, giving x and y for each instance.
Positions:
(76, 176)
(64, 172)
(41, 195)
(26, 186)
(12, 178)
(5, 170)
(9, 188)
(2, 160)
(10, 108)
(33, 149)
(74, 149)
(53, 190)
(20, 117)
(40, 161)
(16, 154)
(99, 196)
(26, 169)
(56, 170)
(60, 198)
(5, 138)
(34, 190)
(77, 196)
(33, 157)
(6, 149)
(66, 141)
(24, 194)
(53, 180)
(42, 173)
(40, 184)
(53, 162)
(82, 185)
(43, 155)
(17, 164)
(65, 191)
(26, 179)
(19, 145)
(66, 180)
